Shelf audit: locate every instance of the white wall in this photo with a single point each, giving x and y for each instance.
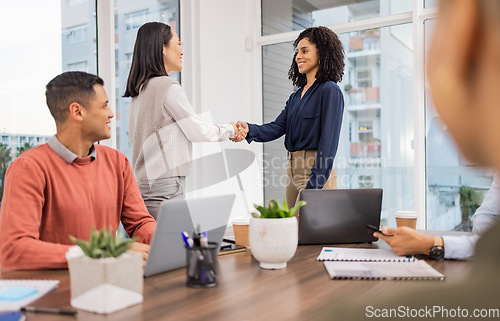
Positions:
(222, 77)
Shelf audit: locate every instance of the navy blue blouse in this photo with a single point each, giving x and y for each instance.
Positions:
(312, 122)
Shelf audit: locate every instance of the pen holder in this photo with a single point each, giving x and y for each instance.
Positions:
(201, 267)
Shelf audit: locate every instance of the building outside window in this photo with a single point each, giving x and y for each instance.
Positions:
(130, 15)
(377, 142)
(451, 182)
(376, 147)
(76, 34)
(135, 20)
(78, 66)
(75, 3)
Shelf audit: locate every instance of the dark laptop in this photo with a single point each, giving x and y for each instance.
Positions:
(339, 215)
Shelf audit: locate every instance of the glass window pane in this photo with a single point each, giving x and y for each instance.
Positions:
(130, 15)
(78, 41)
(39, 40)
(431, 3)
(376, 142)
(288, 15)
(276, 89)
(455, 188)
(376, 146)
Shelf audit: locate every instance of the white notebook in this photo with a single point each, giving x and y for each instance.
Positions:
(39, 287)
(416, 270)
(361, 255)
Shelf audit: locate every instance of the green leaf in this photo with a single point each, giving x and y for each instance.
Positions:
(256, 215)
(285, 207)
(262, 210)
(104, 243)
(274, 210)
(296, 207)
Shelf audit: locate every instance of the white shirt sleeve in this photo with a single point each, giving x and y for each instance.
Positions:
(462, 247)
(196, 130)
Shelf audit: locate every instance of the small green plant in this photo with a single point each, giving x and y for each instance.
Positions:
(274, 210)
(470, 200)
(347, 87)
(103, 244)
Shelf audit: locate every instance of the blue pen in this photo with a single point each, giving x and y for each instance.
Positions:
(187, 240)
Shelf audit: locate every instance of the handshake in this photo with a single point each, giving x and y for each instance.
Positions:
(240, 131)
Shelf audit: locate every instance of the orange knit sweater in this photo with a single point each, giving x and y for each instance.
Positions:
(46, 199)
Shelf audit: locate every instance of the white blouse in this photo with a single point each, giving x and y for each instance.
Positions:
(177, 105)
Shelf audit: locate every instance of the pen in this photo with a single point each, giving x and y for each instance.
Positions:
(49, 310)
(187, 240)
(204, 239)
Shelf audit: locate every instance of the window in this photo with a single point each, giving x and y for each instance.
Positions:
(452, 184)
(135, 20)
(365, 131)
(76, 34)
(78, 66)
(64, 39)
(126, 26)
(75, 3)
(280, 16)
(128, 60)
(377, 143)
(377, 85)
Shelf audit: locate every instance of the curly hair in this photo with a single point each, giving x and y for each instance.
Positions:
(330, 52)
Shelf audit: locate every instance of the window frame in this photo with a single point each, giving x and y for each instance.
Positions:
(418, 16)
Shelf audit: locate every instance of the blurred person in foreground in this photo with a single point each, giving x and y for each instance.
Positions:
(407, 241)
(464, 74)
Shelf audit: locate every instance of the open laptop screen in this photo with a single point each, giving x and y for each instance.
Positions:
(339, 216)
(167, 250)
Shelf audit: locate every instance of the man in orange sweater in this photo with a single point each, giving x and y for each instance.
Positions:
(68, 185)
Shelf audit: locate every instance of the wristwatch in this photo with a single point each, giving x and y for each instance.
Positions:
(437, 250)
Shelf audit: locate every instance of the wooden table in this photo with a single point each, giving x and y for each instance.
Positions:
(302, 291)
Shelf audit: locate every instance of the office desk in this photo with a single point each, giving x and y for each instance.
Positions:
(302, 291)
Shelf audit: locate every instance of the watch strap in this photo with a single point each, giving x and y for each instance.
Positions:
(438, 241)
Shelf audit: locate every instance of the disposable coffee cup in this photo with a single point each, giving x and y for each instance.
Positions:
(406, 218)
(240, 228)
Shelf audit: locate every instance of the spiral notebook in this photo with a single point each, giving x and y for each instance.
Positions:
(15, 294)
(415, 270)
(374, 264)
(361, 255)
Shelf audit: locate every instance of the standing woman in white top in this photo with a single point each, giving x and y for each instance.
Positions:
(162, 123)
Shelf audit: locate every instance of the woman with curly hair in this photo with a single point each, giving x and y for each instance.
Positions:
(312, 116)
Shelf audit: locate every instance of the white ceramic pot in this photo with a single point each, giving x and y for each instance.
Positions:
(273, 241)
(106, 285)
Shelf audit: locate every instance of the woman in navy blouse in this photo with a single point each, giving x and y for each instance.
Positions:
(312, 116)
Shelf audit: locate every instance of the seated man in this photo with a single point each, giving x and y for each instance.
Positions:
(68, 185)
(406, 241)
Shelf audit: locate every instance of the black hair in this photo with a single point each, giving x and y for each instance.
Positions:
(330, 52)
(67, 88)
(147, 61)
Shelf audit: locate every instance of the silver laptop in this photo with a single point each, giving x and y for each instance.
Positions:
(167, 250)
(339, 215)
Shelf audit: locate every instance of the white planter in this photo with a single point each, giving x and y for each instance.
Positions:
(106, 285)
(273, 241)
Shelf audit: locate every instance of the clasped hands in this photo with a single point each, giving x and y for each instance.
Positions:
(240, 131)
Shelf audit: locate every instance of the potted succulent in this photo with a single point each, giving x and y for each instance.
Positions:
(273, 234)
(105, 277)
